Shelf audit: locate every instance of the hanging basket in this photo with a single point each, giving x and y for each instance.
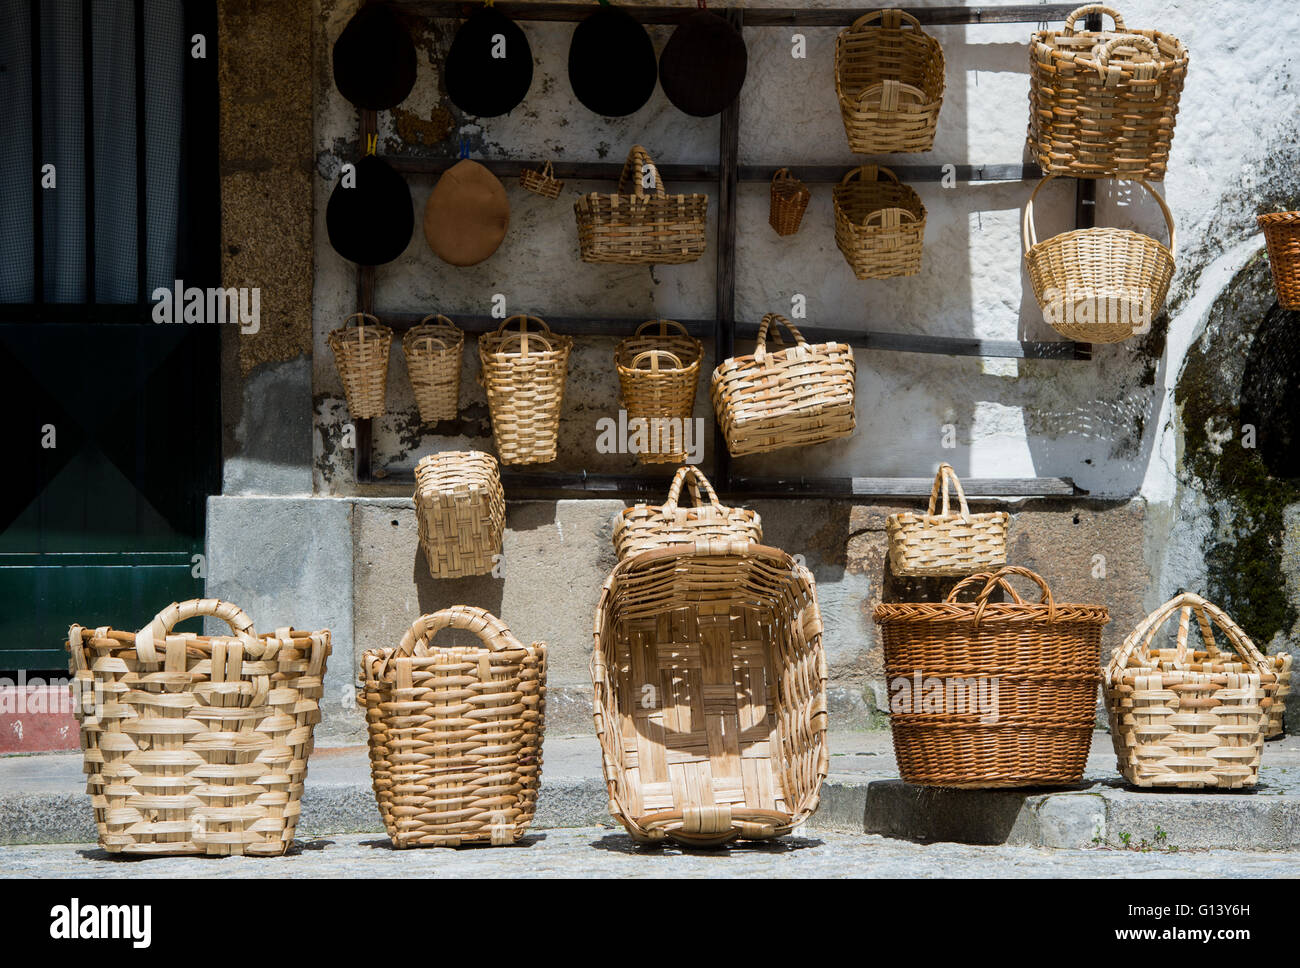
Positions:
(433, 352)
(1099, 285)
(523, 372)
(460, 509)
(947, 543)
(645, 527)
(541, 182)
(789, 201)
(879, 223)
(361, 355)
(455, 732)
(658, 374)
(1282, 235)
(889, 77)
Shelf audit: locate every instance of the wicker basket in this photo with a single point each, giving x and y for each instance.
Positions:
(1188, 718)
(797, 396)
(1099, 285)
(710, 693)
(1019, 686)
(433, 352)
(644, 527)
(455, 732)
(361, 355)
(523, 373)
(460, 509)
(1275, 694)
(541, 182)
(634, 227)
(197, 744)
(889, 77)
(1104, 103)
(946, 544)
(1282, 235)
(658, 374)
(790, 199)
(879, 223)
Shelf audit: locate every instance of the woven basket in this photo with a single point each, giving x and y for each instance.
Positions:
(523, 372)
(710, 693)
(1191, 719)
(1099, 285)
(658, 374)
(361, 355)
(433, 354)
(1276, 694)
(644, 527)
(197, 744)
(455, 732)
(1045, 660)
(460, 509)
(789, 201)
(793, 397)
(879, 223)
(1282, 235)
(947, 543)
(1104, 103)
(634, 227)
(541, 182)
(889, 77)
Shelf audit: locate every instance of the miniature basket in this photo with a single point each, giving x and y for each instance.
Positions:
(196, 744)
(460, 510)
(1099, 285)
(789, 201)
(433, 354)
(523, 373)
(636, 227)
(947, 543)
(1019, 696)
(889, 78)
(644, 527)
(1282, 236)
(1190, 719)
(455, 732)
(361, 355)
(879, 223)
(794, 397)
(658, 374)
(1104, 103)
(710, 693)
(541, 182)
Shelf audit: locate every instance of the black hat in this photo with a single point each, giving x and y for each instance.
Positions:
(490, 65)
(374, 59)
(371, 222)
(703, 64)
(612, 63)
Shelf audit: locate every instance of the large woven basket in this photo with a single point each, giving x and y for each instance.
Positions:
(1016, 699)
(789, 200)
(879, 223)
(1282, 236)
(1099, 285)
(799, 395)
(644, 527)
(947, 543)
(460, 510)
(710, 693)
(889, 77)
(455, 732)
(361, 355)
(1191, 719)
(523, 372)
(641, 224)
(197, 744)
(1104, 102)
(658, 373)
(433, 352)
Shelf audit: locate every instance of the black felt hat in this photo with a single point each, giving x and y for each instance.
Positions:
(374, 59)
(490, 65)
(371, 223)
(703, 65)
(612, 63)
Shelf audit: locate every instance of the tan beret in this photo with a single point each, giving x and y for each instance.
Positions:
(467, 214)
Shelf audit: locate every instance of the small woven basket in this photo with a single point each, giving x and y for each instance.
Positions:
(640, 227)
(889, 77)
(644, 527)
(658, 374)
(794, 397)
(460, 510)
(789, 201)
(361, 355)
(879, 223)
(1276, 694)
(541, 182)
(523, 372)
(197, 744)
(1019, 686)
(1282, 236)
(1099, 285)
(433, 352)
(947, 543)
(455, 732)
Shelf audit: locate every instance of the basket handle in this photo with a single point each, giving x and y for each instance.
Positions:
(522, 320)
(663, 325)
(782, 175)
(491, 631)
(1029, 234)
(760, 350)
(892, 94)
(429, 342)
(654, 357)
(889, 219)
(548, 170)
(1138, 644)
(638, 158)
(1103, 55)
(999, 580)
(437, 318)
(890, 19)
(1091, 9)
(360, 316)
(147, 639)
(522, 339)
(941, 480)
(699, 486)
(870, 173)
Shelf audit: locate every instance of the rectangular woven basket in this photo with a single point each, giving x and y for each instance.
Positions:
(644, 527)
(947, 543)
(460, 510)
(879, 223)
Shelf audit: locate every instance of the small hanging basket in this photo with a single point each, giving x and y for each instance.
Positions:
(879, 223)
(433, 352)
(361, 355)
(523, 371)
(947, 543)
(645, 527)
(1282, 235)
(460, 509)
(790, 199)
(658, 374)
(541, 182)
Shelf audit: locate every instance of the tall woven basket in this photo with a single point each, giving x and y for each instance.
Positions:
(361, 356)
(197, 744)
(455, 732)
(1104, 102)
(1282, 236)
(433, 352)
(524, 367)
(1019, 686)
(460, 510)
(644, 527)
(1099, 285)
(710, 693)
(946, 543)
(879, 223)
(658, 374)
(789, 200)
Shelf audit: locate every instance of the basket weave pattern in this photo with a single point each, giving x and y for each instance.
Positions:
(1275, 693)
(645, 527)
(523, 371)
(946, 543)
(658, 374)
(789, 200)
(1282, 235)
(460, 510)
(361, 355)
(541, 182)
(433, 352)
(879, 223)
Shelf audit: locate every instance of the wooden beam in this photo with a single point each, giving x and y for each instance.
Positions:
(897, 487)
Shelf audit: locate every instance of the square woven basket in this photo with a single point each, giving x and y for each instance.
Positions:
(460, 510)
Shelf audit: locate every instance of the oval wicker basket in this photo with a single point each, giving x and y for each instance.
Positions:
(361, 356)
(541, 182)
(433, 352)
(644, 527)
(789, 200)
(879, 223)
(1282, 236)
(658, 374)
(523, 372)
(460, 509)
(947, 543)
